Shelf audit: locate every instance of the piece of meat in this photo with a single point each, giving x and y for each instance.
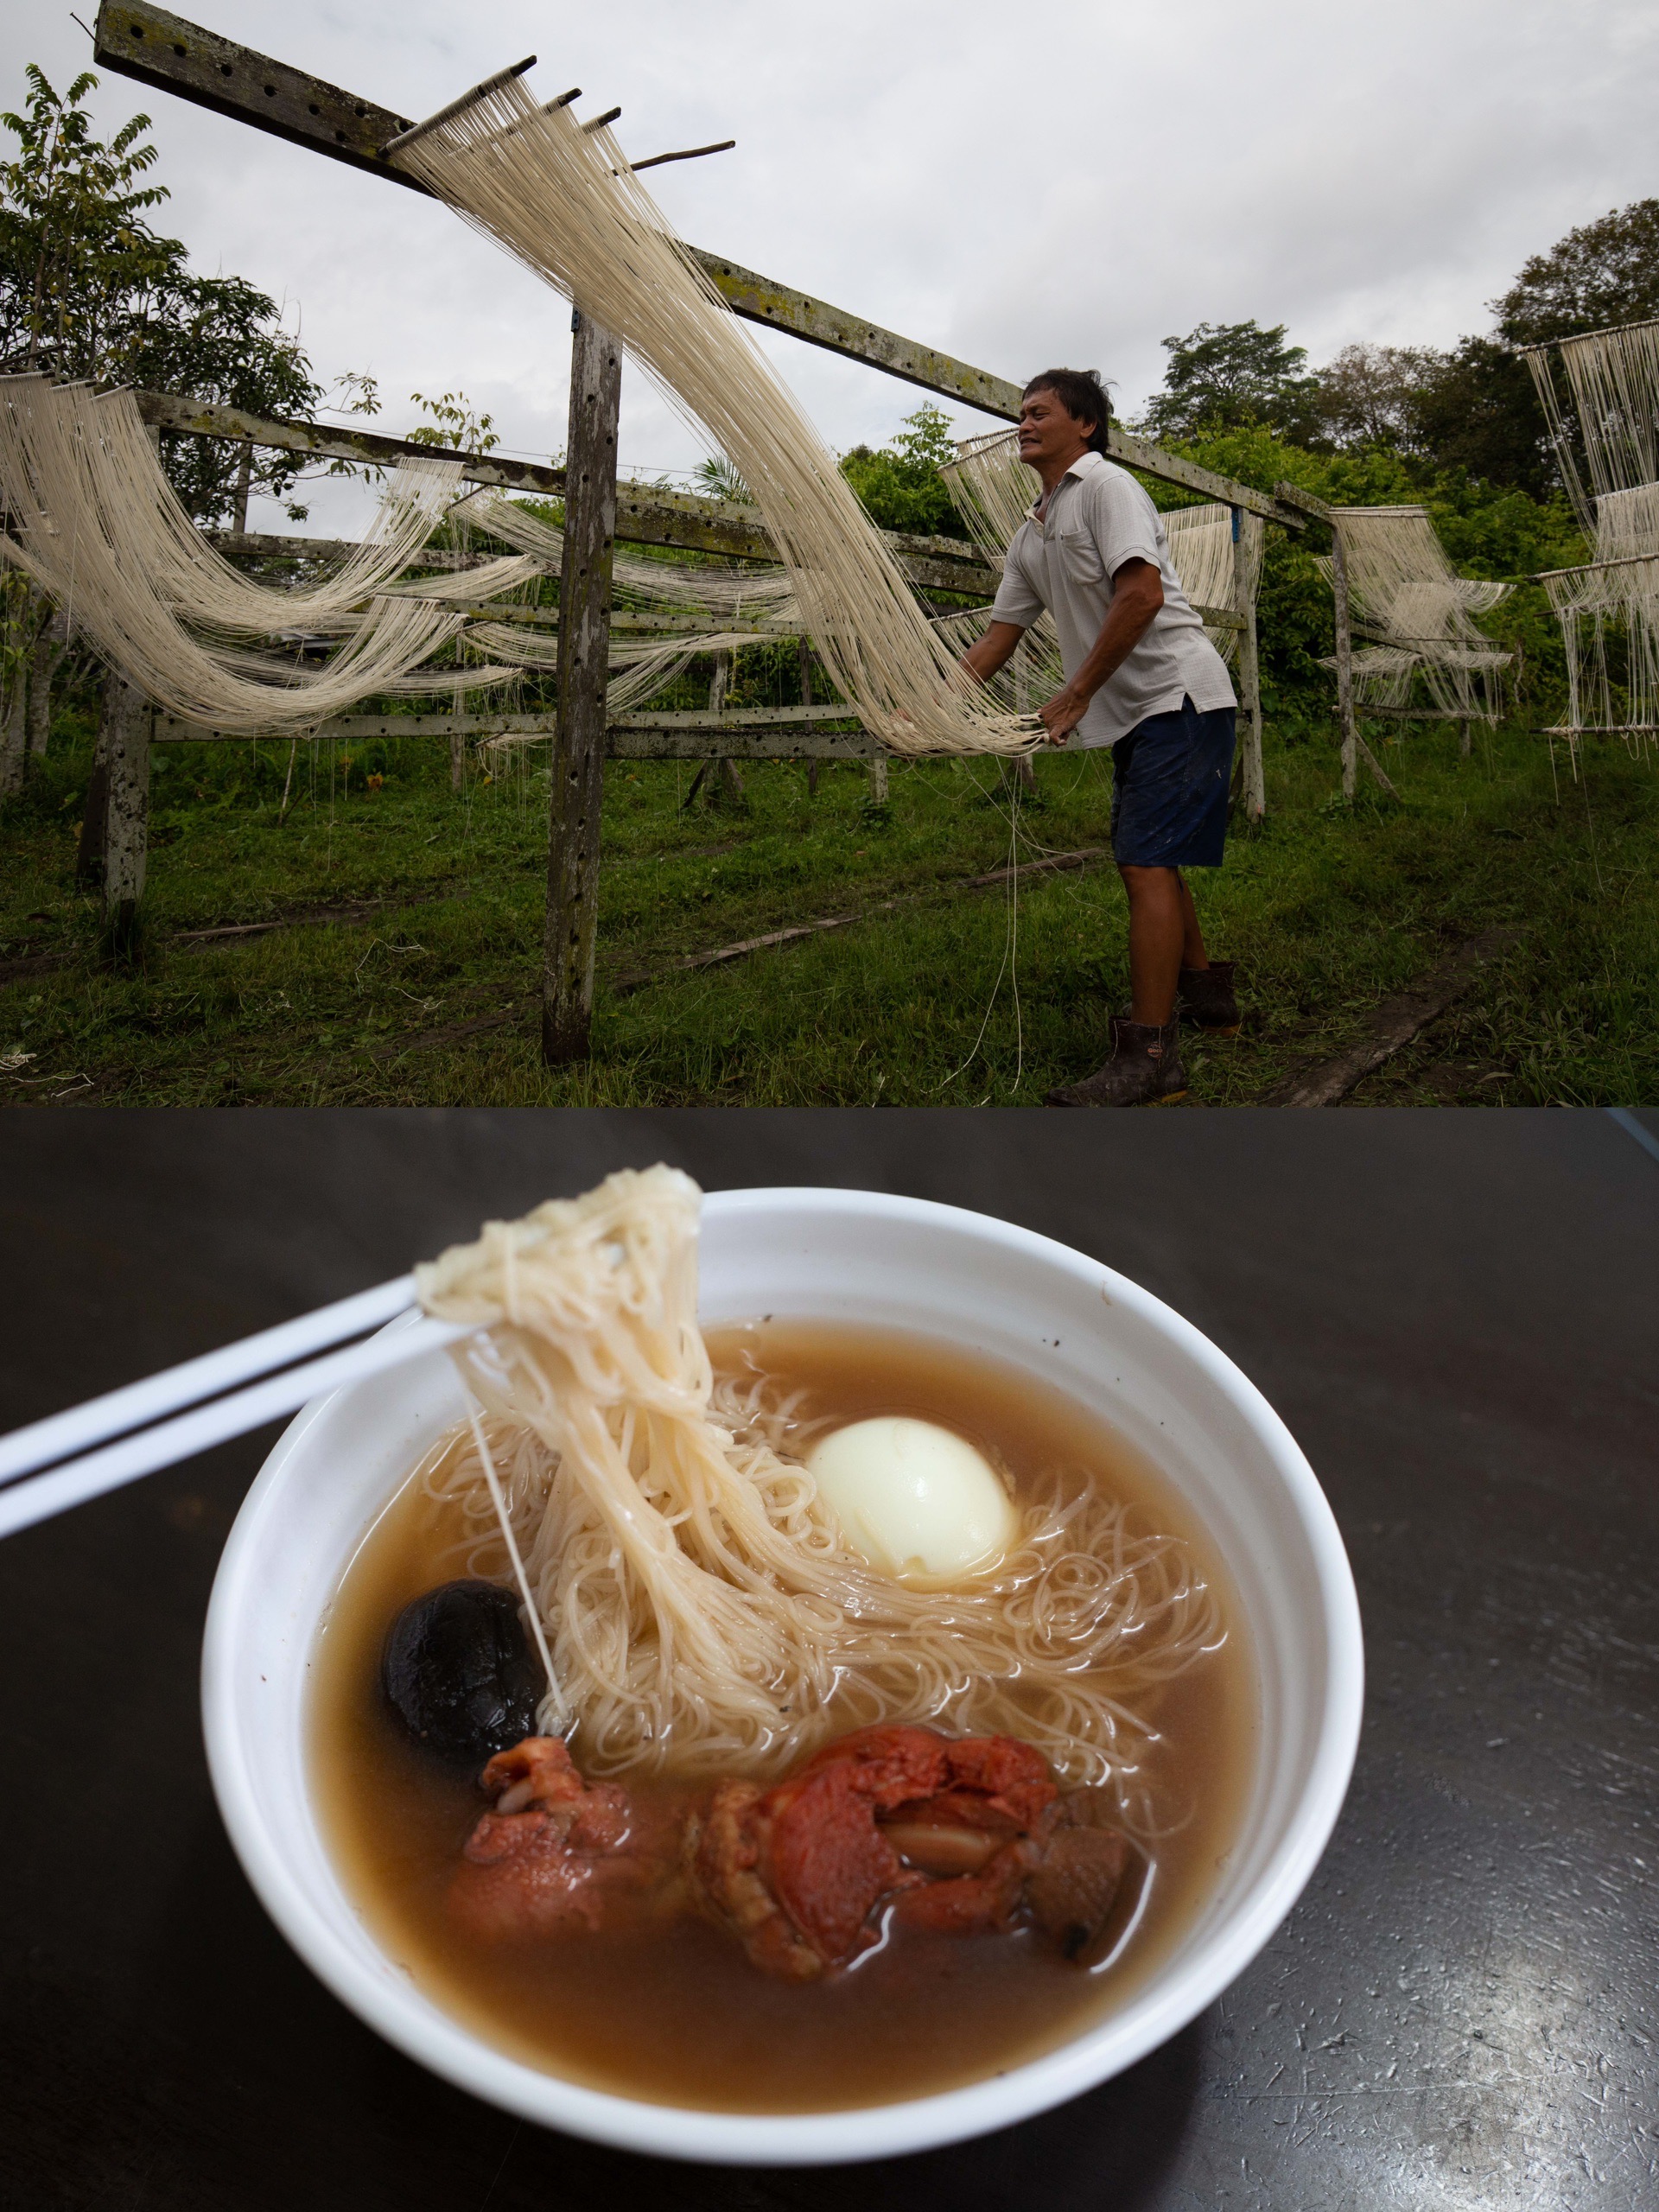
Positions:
(795, 1872)
(556, 1851)
(728, 1877)
(963, 1836)
(984, 1903)
(1075, 1888)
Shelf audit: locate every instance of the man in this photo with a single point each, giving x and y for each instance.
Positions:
(1142, 677)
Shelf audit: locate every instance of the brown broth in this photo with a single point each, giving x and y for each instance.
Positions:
(679, 2016)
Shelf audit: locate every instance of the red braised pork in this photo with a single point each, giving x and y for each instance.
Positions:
(557, 1854)
(963, 1835)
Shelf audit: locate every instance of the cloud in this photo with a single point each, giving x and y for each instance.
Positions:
(1070, 185)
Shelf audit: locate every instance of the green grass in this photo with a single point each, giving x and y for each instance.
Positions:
(1326, 909)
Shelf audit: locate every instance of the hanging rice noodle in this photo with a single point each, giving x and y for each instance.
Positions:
(1609, 607)
(564, 201)
(1402, 592)
(92, 519)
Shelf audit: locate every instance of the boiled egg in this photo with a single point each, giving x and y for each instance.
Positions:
(914, 1499)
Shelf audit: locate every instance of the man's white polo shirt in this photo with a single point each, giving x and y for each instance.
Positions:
(1097, 519)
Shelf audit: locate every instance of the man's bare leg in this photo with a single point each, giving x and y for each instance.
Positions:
(1163, 937)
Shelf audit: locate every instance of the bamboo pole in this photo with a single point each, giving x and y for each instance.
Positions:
(1344, 666)
(1249, 684)
(578, 763)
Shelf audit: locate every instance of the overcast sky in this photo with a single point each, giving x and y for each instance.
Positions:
(1070, 185)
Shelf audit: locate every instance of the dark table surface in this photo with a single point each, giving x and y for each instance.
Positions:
(1455, 1315)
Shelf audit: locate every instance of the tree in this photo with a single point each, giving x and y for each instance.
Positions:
(73, 242)
(716, 478)
(1602, 274)
(88, 289)
(900, 483)
(1223, 375)
(453, 423)
(1371, 396)
(1478, 411)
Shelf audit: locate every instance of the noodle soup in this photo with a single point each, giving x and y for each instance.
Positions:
(670, 2008)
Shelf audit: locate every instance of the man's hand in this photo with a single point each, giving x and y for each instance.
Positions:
(1062, 713)
(1137, 595)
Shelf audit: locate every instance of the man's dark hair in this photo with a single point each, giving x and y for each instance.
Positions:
(1082, 394)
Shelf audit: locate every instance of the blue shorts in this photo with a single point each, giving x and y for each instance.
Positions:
(1170, 779)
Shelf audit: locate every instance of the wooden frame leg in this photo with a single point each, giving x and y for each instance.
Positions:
(1346, 671)
(578, 764)
(126, 806)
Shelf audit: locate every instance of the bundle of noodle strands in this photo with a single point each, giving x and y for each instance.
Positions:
(751, 591)
(1609, 614)
(563, 200)
(699, 1605)
(92, 521)
(1612, 378)
(1403, 592)
(703, 606)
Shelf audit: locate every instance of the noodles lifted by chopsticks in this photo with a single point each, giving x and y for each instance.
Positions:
(701, 1609)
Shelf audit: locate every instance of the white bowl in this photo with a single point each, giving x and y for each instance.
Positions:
(858, 1256)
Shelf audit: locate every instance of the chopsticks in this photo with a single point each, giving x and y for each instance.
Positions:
(47, 1467)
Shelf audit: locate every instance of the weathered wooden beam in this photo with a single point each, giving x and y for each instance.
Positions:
(1307, 503)
(1171, 468)
(205, 418)
(173, 55)
(267, 545)
(347, 729)
(646, 514)
(577, 779)
(832, 710)
(780, 307)
(624, 620)
(664, 737)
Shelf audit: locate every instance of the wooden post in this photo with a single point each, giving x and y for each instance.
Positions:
(50, 647)
(806, 701)
(16, 613)
(578, 763)
(729, 777)
(1464, 740)
(1250, 682)
(244, 484)
(126, 805)
(458, 748)
(1345, 667)
(879, 780)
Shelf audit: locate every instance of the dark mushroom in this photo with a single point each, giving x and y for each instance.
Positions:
(458, 1671)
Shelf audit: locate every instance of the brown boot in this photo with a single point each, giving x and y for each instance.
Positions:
(1206, 993)
(1145, 1070)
